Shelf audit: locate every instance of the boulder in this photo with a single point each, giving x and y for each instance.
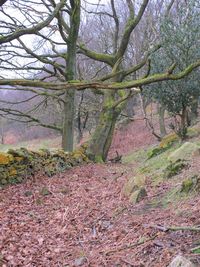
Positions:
(191, 184)
(174, 168)
(180, 261)
(184, 152)
(138, 195)
(133, 184)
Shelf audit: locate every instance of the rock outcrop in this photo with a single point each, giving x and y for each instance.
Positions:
(184, 152)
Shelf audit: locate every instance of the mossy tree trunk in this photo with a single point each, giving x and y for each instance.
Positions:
(69, 108)
(193, 114)
(183, 125)
(102, 137)
(161, 113)
(114, 102)
(68, 121)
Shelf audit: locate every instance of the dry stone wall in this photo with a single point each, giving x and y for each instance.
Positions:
(20, 164)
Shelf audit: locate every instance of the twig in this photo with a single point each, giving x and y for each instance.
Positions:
(195, 248)
(186, 228)
(175, 228)
(132, 245)
(127, 262)
(117, 158)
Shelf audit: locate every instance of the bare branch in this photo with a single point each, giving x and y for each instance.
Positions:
(81, 85)
(130, 26)
(2, 2)
(38, 27)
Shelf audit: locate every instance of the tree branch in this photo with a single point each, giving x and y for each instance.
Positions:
(108, 59)
(30, 118)
(130, 26)
(38, 27)
(81, 85)
(2, 2)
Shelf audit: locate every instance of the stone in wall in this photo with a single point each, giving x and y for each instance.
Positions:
(20, 164)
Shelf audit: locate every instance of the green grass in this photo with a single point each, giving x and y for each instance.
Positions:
(152, 167)
(136, 156)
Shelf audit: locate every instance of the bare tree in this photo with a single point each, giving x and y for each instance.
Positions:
(127, 68)
(51, 56)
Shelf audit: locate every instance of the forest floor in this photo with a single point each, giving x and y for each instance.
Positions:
(82, 218)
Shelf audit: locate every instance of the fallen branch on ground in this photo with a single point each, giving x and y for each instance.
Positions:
(132, 245)
(193, 250)
(175, 228)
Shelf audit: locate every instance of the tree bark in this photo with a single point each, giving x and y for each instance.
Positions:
(68, 123)
(183, 126)
(102, 137)
(193, 114)
(2, 2)
(69, 109)
(161, 113)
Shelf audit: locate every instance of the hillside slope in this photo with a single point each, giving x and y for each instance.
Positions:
(82, 218)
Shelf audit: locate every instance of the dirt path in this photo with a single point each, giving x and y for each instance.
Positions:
(84, 220)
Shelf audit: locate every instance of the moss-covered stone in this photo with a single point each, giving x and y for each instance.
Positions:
(138, 195)
(191, 184)
(174, 168)
(187, 185)
(15, 165)
(133, 184)
(168, 140)
(5, 158)
(129, 186)
(4, 181)
(184, 152)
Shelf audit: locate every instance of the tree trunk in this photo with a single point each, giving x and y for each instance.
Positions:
(68, 123)
(102, 137)
(161, 113)
(183, 126)
(193, 114)
(69, 109)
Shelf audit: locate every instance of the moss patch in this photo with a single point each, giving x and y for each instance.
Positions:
(137, 156)
(174, 168)
(133, 184)
(5, 158)
(184, 152)
(191, 184)
(17, 165)
(138, 195)
(187, 186)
